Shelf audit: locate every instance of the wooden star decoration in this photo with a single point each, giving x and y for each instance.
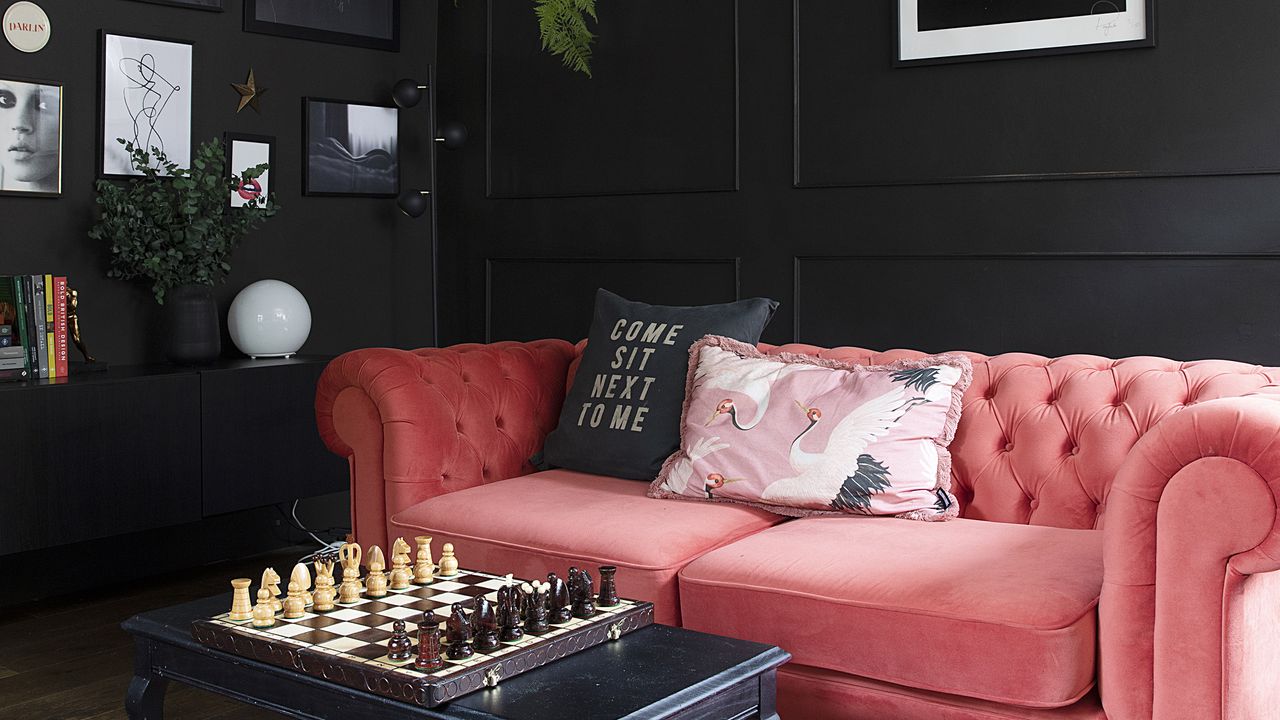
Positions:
(249, 93)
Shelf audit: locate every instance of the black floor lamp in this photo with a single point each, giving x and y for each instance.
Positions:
(413, 202)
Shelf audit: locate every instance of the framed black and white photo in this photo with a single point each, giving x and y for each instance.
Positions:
(215, 5)
(146, 99)
(246, 151)
(937, 31)
(368, 23)
(31, 124)
(350, 149)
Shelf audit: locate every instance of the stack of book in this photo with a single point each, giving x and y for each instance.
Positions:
(33, 327)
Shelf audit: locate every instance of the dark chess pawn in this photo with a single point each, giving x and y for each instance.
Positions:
(509, 614)
(399, 647)
(558, 600)
(584, 601)
(608, 590)
(429, 643)
(484, 625)
(458, 633)
(535, 608)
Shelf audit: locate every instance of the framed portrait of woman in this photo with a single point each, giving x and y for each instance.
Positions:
(31, 148)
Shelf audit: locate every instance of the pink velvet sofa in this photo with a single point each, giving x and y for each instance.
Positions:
(1116, 555)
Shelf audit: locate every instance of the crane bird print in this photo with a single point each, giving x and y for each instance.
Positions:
(722, 369)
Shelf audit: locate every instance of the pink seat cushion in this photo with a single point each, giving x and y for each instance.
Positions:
(548, 521)
(988, 610)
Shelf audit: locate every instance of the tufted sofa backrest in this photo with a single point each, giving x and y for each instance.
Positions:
(1040, 439)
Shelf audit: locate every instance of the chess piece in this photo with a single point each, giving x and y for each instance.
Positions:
(322, 598)
(376, 583)
(73, 325)
(425, 567)
(484, 626)
(295, 606)
(271, 581)
(458, 634)
(264, 613)
(535, 604)
(584, 603)
(428, 643)
(608, 590)
(241, 606)
(558, 600)
(301, 576)
(401, 576)
(509, 614)
(399, 647)
(448, 562)
(349, 590)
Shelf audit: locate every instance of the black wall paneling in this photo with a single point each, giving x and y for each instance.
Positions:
(660, 114)
(1200, 104)
(531, 298)
(364, 268)
(1179, 305)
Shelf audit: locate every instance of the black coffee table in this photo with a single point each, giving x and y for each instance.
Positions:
(656, 672)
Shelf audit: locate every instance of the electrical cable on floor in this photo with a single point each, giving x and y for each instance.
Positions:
(292, 516)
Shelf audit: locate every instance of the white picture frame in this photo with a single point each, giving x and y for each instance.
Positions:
(1099, 25)
(246, 151)
(146, 98)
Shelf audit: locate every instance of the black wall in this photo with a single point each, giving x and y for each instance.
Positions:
(364, 268)
(1113, 202)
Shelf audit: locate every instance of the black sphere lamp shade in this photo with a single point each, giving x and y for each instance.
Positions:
(412, 203)
(453, 135)
(406, 92)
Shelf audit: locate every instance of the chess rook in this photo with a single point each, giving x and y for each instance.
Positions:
(608, 589)
(241, 606)
(428, 644)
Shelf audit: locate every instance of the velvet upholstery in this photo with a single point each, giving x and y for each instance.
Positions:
(922, 606)
(1172, 462)
(558, 518)
(812, 693)
(416, 424)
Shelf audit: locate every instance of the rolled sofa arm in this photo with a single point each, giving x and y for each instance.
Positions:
(416, 424)
(1190, 608)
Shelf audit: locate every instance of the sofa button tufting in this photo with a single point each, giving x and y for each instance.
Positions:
(1075, 450)
(1035, 503)
(1008, 446)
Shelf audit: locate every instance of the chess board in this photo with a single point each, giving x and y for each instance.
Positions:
(349, 644)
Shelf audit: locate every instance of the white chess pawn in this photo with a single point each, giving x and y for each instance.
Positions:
(264, 613)
(448, 562)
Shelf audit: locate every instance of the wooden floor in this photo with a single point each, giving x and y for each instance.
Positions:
(68, 659)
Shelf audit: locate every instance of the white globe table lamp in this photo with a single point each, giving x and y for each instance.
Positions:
(269, 318)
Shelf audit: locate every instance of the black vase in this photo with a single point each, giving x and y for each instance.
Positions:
(192, 333)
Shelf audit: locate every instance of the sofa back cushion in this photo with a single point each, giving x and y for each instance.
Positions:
(1040, 439)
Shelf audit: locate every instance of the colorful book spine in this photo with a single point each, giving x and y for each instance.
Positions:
(18, 288)
(29, 324)
(41, 343)
(49, 331)
(60, 355)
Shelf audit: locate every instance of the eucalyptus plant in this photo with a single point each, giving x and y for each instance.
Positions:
(173, 226)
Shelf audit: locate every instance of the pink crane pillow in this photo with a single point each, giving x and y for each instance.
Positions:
(799, 435)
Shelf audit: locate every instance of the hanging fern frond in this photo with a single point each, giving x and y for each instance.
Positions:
(562, 25)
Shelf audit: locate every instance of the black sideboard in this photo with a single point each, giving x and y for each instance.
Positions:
(102, 454)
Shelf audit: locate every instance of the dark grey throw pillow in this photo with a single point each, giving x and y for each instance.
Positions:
(622, 415)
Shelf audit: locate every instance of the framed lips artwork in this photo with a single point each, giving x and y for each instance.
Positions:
(246, 151)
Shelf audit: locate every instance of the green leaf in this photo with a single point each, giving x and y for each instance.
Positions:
(562, 26)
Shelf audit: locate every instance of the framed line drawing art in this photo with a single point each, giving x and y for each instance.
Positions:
(368, 23)
(351, 149)
(31, 126)
(246, 151)
(146, 99)
(215, 5)
(946, 31)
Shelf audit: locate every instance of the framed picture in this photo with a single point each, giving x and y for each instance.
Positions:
(146, 99)
(368, 23)
(31, 127)
(246, 151)
(215, 5)
(938, 31)
(351, 148)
